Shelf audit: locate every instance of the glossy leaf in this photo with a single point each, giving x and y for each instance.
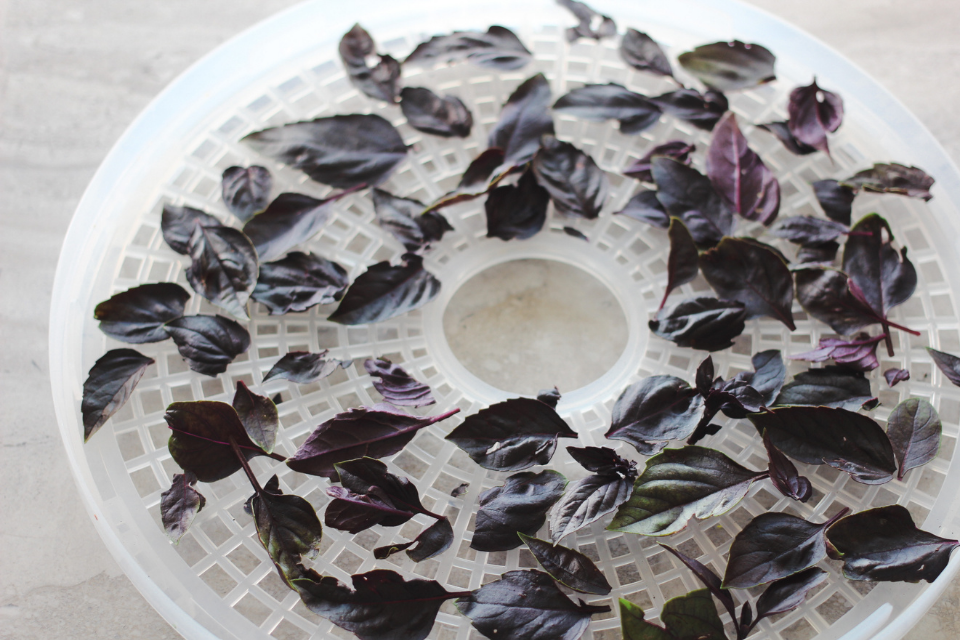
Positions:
(425, 111)
(914, 429)
(259, 416)
(380, 82)
(526, 605)
(137, 315)
(893, 178)
(689, 617)
(180, 504)
(287, 526)
(825, 294)
(784, 474)
(343, 151)
(511, 435)
(894, 376)
(370, 495)
(886, 277)
(948, 364)
(431, 542)
(601, 102)
(829, 387)
(397, 386)
(884, 545)
(224, 268)
(642, 52)
(679, 484)
(587, 500)
(291, 219)
(688, 195)
(683, 264)
(654, 410)
(523, 120)
(835, 199)
(385, 291)
(730, 66)
(702, 110)
(208, 343)
(605, 28)
(788, 593)
(246, 190)
(517, 211)
(178, 224)
(709, 579)
(676, 149)
(498, 48)
(570, 568)
(813, 113)
(577, 186)
(808, 230)
(519, 505)
(782, 131)
(646, 207)
(702, 323)
(298, 282)
(200, 436)
(739, 175)
(859, 354)
(405, 219)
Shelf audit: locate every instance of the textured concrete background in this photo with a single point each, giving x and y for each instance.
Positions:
(73, 75)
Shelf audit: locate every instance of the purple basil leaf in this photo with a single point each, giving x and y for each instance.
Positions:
(178, 224)
(526, 605)
(519, 505)
(303, 367)
(576, 233)
(859, 354)
(224, 268)
(385, 291)
(291, 219)
(702, 323)
(784, 474)
(816, 255)
(425, 111)
(914, 428)
(460, 489)
(753, 273)
(381, 82)
(948, 364)
(587, 500)
(642, 52)
(343, 151)
(577, 186)
(654, 410)
(788, 593)
(845, 440)
(689, 617)
(109, 384)
(739, 175)
(646, 207)
(259, 417)
(884, 545)
(180, 504)
(806, 230)
(477, 175)
(676, 149)
(370, 495)
(498, 48)
(814, 112)
(709, 579)
(704, 377)
(208, 343)
(702, 110)
(517, 211)
(432, 541)
(606, 27)
(768, 375)
(298, 282)
(735, 397)
(730, 66)
(523, 120)
(825, 294)
(782, 131)
(601, 102)
(894, 376)
(687, 194)
(511, 435)
(603, 461)
(200, 437)
(829, 387)
(893, 178)
(835, 199)
(246, 191)
(570, 568)
(397, 386)
(137, 315)
(375, 432)
(886, 277)
(288, 528)
(683, 265)
(405, 219)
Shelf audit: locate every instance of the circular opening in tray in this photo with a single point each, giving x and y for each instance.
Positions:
(531, 324)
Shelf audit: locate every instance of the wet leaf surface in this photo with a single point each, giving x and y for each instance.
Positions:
(642, 52)
(137, 315)
(730, 66)
(200, 436)
(246, 190)
(523, 120)
(519, 505)
(498, 48)
(298, 282)
(702, 323)
(687, 194)
(517, 211)
(577, 186)
(180, 504)
(914, 429)
(570, 568)
(224, 268)
(653, 411)
(386, 291)
(740, 176)
(208, 343)
(813, 113)
(425, 111)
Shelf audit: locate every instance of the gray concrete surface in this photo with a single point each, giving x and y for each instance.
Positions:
(73, 75)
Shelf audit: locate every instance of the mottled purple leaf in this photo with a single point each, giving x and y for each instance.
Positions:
(246, 190)
(425, 111)
(303, 367)
(259, 417)
(570, 568)
(893, 178)
(397, 386)
(653, 411)
(208, 343)
(517, 211)
(739, 175)
(519, 505)
(380, 82)
(178, 224)
(601, 102)
(676, 149)
(642, 52)
(914, 429)
(498, 48)
(298, 282)
(605, 28)
(577, 186)
(137, 315)
(180, 504)
(288, 528)
(702, 323)
(385, 291)
(813, 113)
(730, 66)
(224, 268)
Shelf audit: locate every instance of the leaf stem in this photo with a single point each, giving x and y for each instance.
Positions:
(840, 514)
(246, 466)
(443, 416)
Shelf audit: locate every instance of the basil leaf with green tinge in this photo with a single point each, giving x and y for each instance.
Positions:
(137, 315)
(288, 528)
(653, 411)
(224, 268)
(380, 82)
(519, 505)
(425, 111)
(709, 579)
(498, 48)
(385, 291)
(740, 176)
(689, 617)
(200, 436)
(246, 190)
(601, 102)
(730, 66)
(109, 384)
(523, 120)
(298, 282)
(208, 343)
(397, 386)
(642, 52)
(178, 224)
(577, 186)
(517, 211)
(914, 429)
(570, 568)
(814, 112)
(259, 416)
(687, 194)
(701, 323)
(893, 178)
(180, 504)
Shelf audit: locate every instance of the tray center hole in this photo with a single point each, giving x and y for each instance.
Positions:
(527, 325)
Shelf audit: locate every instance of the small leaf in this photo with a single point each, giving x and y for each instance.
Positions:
(385, 291)
(137, 315)
(517, 211)
(397, 386)
(570, 568)
(676, 149)
(683, 265)
(603, 460)
(701, 323)
(298, 282)
(893, 178)
(180, 504)
(425, 111)
(859, 354)
(702, 110)
(109, 384)
(343, 151)
(784, 474)
(806, 230)
(835, 199)
(739, 175)
(767, 376)
(577, 186)
(460, 489)
(380, 82)
(646, 207)
(782, 131)
(814, 112)
(208, 343)
(246, 191)
(259, 417)
(587, 17)
(642, 52)
(523, 120)
(688, 195)
(291, 219)
(654, 410)
(730, 66)
(178, 224)
(587, 500)
(894, 376)
(519, 505)
(828, 387)
(498, 48)
(601, 102)
(224, 268)
(288, 528)
(914, 428)
(788, 593)
(200, 437)
(948, 364)
(405, 220)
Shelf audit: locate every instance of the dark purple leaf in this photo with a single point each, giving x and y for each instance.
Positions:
(702, 323)
(517, 211)
(577, 186)
(526, 605)
(382, 81)
(288, 528)
(884, 545)
(829, 387)
(200, 437)
(642, 52)
(767, 376)
(843, 439)
(298, 282)
(646, 207)
(523, 120)
(291, 219)
(894, 376)
(739, 175)
(825, 294)
(816, 255)
(431, 542)
(782, 131)
(730, 66)
(683, 265)
(259, 417)
(702, 110)
(137, 315)
(246, 191)
(405, 219)
(224, 268)
(370, 495)
(808, 230)
(519, 505)
(687, 194)
(859, 354)
(576, 233)
(835, 199)
(478, 173)
(676, 149)
(814, 112)
(914, 429)
(735, 397)
(784, 474)
(606, 27)
(425, 111)
(208, 343)
(343, 151)
(180, 504)
(948, 364)
(460, 489)
(886, 277)
(397, 386)
(512, 435)
(654, 410)
(375, 432)
(385, 291)
(679, 484)
(603, 461)
(704, 377)
(178, 224)
(498, 48)
(303, 367)
(690, 617)
(570, 568)
(709, 579)
(601, 102)
(893, 178)
(587, 500)
(788, 593)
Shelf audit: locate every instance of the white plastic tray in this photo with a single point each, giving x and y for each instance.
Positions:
(218, 582)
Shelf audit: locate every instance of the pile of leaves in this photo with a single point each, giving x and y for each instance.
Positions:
(821, 417)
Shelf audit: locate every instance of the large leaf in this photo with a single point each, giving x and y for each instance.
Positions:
(287, 526)
(524, 118)
(683, 265)
(835, 199)
(829, 387)
(782, 131)
(701, 323)
(397, 386)
(200, 439)
(654, 410)
(303, 367)
(375, 432)
(601, 102)
(884, 545)
(208, 343)
(382, 81)
(642, 52)
(519, 505)
(892, 178)
(526, 605)
(688, 195)
(570, 568)
(846, 440)
(825, 294)
(577, 186)
(385, 291)
(246, 190)
(606, 27)
(259, 416)
(814, 113)
(298, 282)
(180, 504)
(948, 364)
(689, 617)
(806, 230)
(511, 435)
(753, 273)
(109, 384)
(498, 48)
(679, 484)
(730, 66)
(425, 111)
(405, 219)
(370, 495)
(178, 224)
(291, 219)
(739, 175)
(517, 211)
(914, 429)
(224, 268)
(784, 474)
(342, 151)
(679, 150)
(886, 277)
(702, 110)
(137, 315)
(645, 206)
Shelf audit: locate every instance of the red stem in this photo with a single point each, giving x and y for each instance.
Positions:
(443, 416)
(246, 467)
(834, 519)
